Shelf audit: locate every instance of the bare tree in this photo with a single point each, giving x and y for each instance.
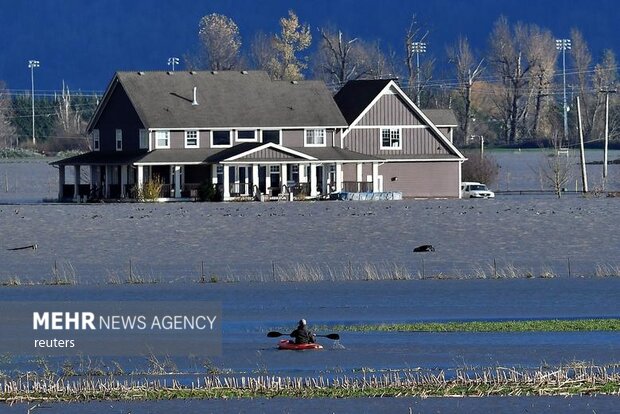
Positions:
(416, 78)
(294, 37)
(480, 169)
(542, 54)
(468, 70)
(8, 133)
(604, 80)
(262, 51)
(220, 41)
(582, 60)
(340, 58)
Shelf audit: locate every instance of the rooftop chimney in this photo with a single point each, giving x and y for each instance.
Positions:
(195, 101)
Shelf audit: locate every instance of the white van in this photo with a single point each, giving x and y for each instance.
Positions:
(475, 190)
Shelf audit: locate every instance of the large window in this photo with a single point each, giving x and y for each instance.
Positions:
(390, 138)
(119, 139)
(144, 139)
(246, 135)
(191, 139)
(96, 142)
(271, 136)
(162, 139)
(220, 139)
(315, 137)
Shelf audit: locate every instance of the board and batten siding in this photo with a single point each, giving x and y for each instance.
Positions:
(415, 141)
(422, 179)
(268, 154)
(390, 110)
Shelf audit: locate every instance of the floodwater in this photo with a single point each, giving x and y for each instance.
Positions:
(246, 248)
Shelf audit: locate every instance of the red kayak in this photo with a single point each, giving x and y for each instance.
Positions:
(286, 344)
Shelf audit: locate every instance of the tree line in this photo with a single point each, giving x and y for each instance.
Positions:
(511, 93)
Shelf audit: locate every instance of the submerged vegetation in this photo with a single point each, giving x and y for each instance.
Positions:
(551, 325)
(575, 379)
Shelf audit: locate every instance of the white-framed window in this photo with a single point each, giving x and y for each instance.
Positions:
(220, 138)
(162, 139)
(192, 139)
(315, 137)
(271, 135)
(246, 135)
(119, 139)
(96, 142)
(390, 139)
(144, 139)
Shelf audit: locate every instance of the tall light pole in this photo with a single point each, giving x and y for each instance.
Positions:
(563, 45)
(33, 64)
(417, 48)
(172, 61)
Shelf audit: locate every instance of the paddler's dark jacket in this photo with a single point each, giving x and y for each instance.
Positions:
(302, 335)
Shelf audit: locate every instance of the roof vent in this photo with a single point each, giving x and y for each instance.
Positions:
(195, 101)
(214, 72)
(244, 72)
(294, 82)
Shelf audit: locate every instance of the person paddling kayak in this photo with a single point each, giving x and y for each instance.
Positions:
(302, 335)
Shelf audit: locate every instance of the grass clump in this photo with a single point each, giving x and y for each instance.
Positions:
(551, 325)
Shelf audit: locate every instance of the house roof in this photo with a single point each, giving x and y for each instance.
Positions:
(442, 117)
(356, 95)
(227, 99)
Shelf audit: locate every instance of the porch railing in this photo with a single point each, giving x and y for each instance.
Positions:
(357, 186)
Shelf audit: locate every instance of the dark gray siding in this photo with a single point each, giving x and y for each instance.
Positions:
(119, 113)
(415, 141)
(390, 110)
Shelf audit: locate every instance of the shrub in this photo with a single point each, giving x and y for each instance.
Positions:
(208, 192)
(480, 169)
(149, 191)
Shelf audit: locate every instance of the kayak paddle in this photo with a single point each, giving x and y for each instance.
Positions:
(274, 334)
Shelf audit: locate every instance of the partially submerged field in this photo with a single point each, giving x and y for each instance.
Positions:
(514, 258)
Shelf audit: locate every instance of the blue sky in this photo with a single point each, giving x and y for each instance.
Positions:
(84, 42)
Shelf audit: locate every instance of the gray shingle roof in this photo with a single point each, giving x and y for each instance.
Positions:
(228, 99)
(441, 117)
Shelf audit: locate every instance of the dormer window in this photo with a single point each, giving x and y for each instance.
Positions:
(390, 139)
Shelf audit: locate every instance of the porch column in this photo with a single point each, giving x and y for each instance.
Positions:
(108, 178)
(76, 182)
(177, 181)
(268, 180)
(237, 182)
(140, 182)
(255, 180)
(375, 177)
(246, 181)
(283, 176)
(303, 177)
(93, 178)
(214, 174)
(338, 177)
(61, 182)
(325, 179)
(313, 192)
(226, 183)
(123, 180)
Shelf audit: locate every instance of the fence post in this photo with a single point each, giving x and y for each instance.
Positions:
(494, 269)
(202, 271)
(273, 269)
(130, 270)
(569, 272)
(423, 270)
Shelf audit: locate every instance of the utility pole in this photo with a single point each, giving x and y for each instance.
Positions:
(417, 48)
(563, 45)
(584, 174)
(606, 92)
